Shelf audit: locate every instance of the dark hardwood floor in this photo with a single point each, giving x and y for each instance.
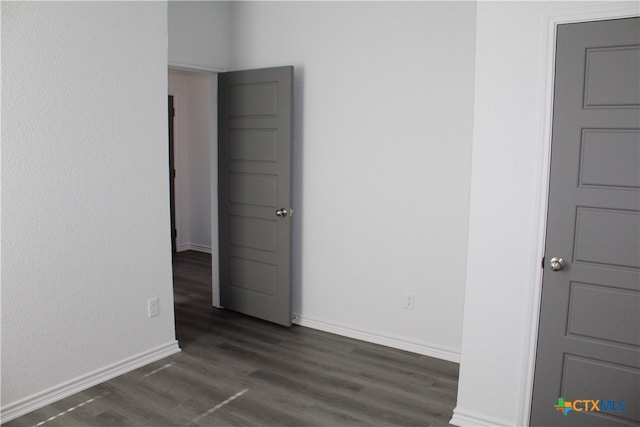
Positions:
(238, 371)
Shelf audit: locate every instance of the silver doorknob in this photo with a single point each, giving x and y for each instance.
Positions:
(556, 263)
(282, 212)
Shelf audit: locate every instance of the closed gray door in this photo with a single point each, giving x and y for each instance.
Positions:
(254, 192)
(589, 334)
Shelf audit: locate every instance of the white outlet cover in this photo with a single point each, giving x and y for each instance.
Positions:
(409, 299)
(153, 307)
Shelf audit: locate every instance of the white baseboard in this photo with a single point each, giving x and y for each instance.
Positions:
(53, 394)
(426, 349)
(193, 247)
(462, 418)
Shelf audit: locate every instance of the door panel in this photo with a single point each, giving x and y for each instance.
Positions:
(618, 310)
(610, 158)
(609, 72)
(254, 156)
(615, 380)
(589, 332)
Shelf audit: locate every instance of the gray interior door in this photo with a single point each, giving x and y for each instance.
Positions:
(254, 191)
(589, 332)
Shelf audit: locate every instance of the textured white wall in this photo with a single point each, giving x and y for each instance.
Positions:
(383, 105)
(198, 34)
(85, 200)
(193, 142)
(508, 199)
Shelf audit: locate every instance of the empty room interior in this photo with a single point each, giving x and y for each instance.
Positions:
(352, 213)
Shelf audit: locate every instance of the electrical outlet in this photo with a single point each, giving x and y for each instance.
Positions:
(152, 307)
(409, 299)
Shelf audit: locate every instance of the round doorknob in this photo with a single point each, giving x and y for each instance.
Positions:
(557, 263)
(282, 212)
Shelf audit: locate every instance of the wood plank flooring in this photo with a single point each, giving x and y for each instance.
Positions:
(238, 371)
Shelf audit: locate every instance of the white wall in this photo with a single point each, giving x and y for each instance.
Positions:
(509, 178)
(193, 144)
(198, 35)
(85, 212)
(383, 113)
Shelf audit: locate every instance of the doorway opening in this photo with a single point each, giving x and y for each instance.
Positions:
(194, 96)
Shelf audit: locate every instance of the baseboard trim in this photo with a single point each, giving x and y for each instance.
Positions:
(194, 247)
(462, 418)
(53, 394)
(426, 349)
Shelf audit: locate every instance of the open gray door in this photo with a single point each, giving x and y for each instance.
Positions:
(588, 360)
(254, 191)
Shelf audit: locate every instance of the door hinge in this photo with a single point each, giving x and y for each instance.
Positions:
(174, 173)
(173, 112)
(542, 266)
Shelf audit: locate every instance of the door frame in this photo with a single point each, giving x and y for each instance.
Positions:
(215, 261)
(213, 144)
(551, 21)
